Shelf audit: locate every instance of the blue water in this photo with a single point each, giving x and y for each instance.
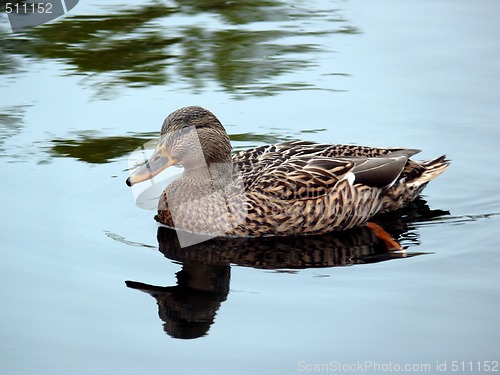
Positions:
(415, 74)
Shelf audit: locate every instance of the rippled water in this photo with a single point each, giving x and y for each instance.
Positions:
(81, 93)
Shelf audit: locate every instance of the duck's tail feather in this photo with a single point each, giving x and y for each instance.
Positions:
(432, 169)
(410, 186)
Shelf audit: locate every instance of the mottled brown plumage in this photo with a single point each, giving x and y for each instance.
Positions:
(285, 189)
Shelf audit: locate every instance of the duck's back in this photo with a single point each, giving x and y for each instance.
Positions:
(285, 170)
(255, 162)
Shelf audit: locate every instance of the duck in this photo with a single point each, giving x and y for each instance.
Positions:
(286, 189)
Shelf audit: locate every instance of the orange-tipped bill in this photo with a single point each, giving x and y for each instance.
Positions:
(158, 162)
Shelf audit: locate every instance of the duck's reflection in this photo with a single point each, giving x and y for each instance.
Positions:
(188, 309)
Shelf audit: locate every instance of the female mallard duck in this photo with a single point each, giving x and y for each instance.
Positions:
(284, 189)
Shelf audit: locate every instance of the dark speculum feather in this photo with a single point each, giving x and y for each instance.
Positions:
(379, 172)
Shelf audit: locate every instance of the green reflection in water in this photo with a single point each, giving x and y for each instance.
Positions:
(109, 43)
(90, 147)
(11, 124)
(244, 46)
(11, 119)
(98, 150)
(238, 12)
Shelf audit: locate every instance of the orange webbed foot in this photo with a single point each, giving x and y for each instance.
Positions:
(389, 241)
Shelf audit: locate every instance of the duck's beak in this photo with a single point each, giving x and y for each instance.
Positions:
(158, 162)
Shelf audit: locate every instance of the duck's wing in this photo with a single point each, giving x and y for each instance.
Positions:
(302, 169)
(300, 178)
(308, 177)
(381, 171)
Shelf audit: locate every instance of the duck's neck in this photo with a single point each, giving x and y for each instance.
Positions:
(197, 169)
(200, 173)
(220, 174)
(197, 197)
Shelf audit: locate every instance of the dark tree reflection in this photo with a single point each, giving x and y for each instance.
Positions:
(243, 46)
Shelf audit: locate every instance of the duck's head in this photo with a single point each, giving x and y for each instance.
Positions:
(191, 137)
